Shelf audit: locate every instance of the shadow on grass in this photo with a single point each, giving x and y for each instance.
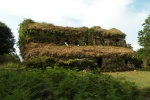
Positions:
(144, 69)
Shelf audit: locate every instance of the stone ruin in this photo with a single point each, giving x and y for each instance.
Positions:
(43, 45)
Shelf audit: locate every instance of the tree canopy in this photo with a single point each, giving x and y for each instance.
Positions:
(144, 41)
(144, 35)
(7, 40)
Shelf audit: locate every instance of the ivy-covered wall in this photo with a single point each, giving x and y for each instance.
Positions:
(31, 31)
(43, 44)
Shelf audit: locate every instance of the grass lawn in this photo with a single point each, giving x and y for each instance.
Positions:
(141, 77)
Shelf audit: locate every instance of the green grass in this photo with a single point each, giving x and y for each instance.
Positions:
(140, 77)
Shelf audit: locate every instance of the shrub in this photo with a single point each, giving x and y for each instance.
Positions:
(60, 84)
(9, 58)
(40, 62)
(80, 64)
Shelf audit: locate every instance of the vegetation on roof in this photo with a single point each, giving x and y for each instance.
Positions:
(46, 26)
(43, 44)
(31, 31)
(34, 49)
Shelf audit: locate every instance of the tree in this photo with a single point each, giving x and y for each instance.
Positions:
(7, 40)
(144, 35)
(144, 41)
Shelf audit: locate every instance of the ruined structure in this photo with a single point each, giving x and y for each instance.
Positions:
(43, 44)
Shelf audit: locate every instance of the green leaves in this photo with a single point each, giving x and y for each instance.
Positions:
(57, 35)
(23, 32)
(7, 40)
(144, 41)
(60, 84)
(144, 35)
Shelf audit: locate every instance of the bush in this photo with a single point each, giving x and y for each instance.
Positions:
(80, 64)
(9, 58)
(39, 62)
(61, 84)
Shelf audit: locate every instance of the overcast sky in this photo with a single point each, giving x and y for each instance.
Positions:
(125, 15)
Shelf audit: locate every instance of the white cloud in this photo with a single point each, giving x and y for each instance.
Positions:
(90, 11)
(104, 13)
(50, 10)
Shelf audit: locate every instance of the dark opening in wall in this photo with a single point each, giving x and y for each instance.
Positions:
(126, 61)
(99, 62)
(117, 40)
(76, 42)
(57, 41)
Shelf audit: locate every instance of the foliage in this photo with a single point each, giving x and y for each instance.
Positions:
(143, 53)
(23, 37)
(39, 62)
(13, 66)
(31, 31)
(9, 58)
(136, 61)
(79, 64)
(48, 40)
(129, 46)
(61, 84)
(80, 57)
(36, 49)
(144, 35)
(144, 39)
(116, 64)
(6, 39)
(139, 76)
